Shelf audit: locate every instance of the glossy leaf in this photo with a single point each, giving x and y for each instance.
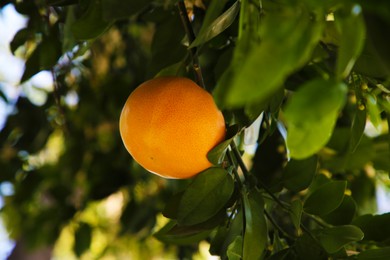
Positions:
(217, 26)
(352, 38)
(298, 174)
(373, 110)
(217, 154)
(329, 196)
(357, 128)
(311, 116)
(265, 68)
(334, 238)
(255, 236)
(234, 251)
(344, 214)
(205, 196)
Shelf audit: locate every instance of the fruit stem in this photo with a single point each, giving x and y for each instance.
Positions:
(191, 37)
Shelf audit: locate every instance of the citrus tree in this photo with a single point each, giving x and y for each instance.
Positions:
(304, 89)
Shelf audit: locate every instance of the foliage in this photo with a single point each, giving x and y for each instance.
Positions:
(316, 71)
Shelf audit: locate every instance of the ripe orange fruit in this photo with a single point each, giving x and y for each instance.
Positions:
(169, 124)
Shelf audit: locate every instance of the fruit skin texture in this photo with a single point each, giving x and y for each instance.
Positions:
(169, 124)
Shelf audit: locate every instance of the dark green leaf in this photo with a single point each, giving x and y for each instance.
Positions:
(334, 238)
(311, 115)
(357, 128)
(83, 238)
(352, 38)
(217, 154)
(342, 215)
(225, 235)
(298, 174)
(375, 227)
(296, 213)
(118, 9)
(20, 38)
(306, 247)
(255, 236)
(205, 196)
(170, 210)
(375, 254)
(326, 198)
(44, 57)
(91, 24)
(165, 236)
(217, 26)
(61, 2)
(167, 48)
(234, 251)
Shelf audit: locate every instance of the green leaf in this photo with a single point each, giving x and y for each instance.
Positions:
(255, 236)
(225, 235)
(20, 38)
(373, 110)
(165, 235)
(296, 213)
(334, 238)
(298, 174)
(357, 128)
(375, 227)
(217, 26)
(375, 254)
(83, 238)
(325, 198)
(45, 55)
(306, 247)
(91, 24)
(342, 215)
(263, 70)
(205, 196)
(167, 48)
(352, 39)
(311, 115)
(234, 251)
(217, 154)
(118, 9)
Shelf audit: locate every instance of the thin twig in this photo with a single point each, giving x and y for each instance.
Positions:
(273, 222)
(191, 37)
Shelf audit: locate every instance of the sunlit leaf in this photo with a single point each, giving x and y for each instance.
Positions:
(217, 26)
(234, 251)
(311, 116)
(351, 23)
(266, 67)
